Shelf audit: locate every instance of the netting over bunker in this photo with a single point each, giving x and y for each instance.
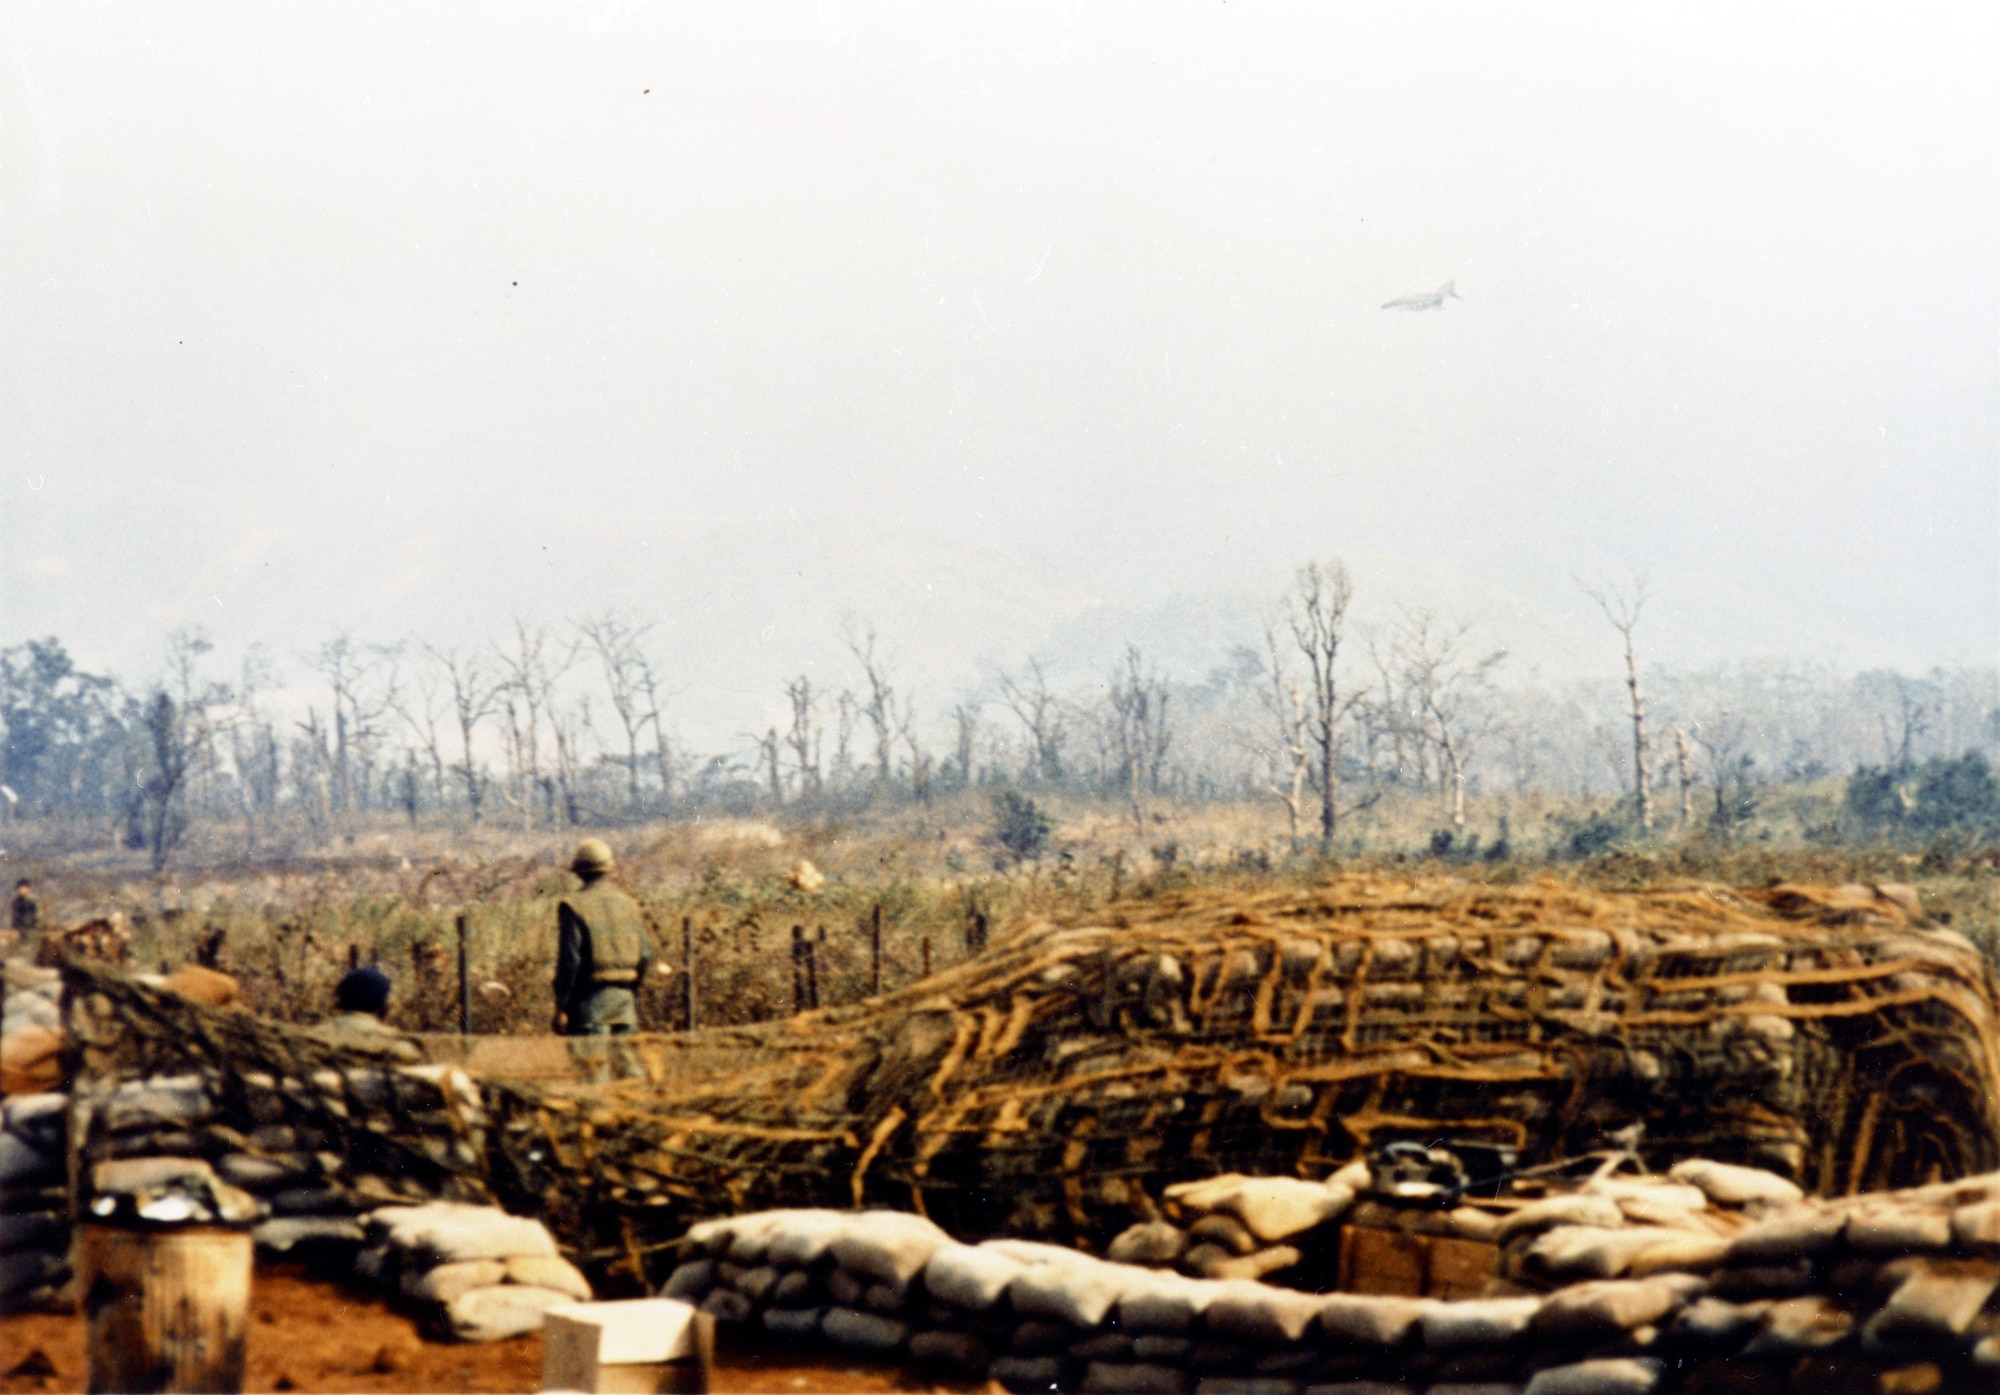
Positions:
(1055, 1084)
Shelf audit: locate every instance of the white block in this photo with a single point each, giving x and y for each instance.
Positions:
(579, 1340)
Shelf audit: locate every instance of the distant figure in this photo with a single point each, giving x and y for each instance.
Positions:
(602, 951)
(1426, 300)
(27, 910)
(361, 1000)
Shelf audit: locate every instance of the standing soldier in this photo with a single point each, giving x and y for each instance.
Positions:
(602, 951)
(27, 910)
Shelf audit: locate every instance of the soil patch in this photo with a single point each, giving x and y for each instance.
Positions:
(312, 1335)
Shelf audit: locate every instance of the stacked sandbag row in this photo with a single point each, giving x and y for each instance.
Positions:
(34, 1200)
(1237, 1227)
(477, 1273)
(31, 1035)
(1898, 1283)
(1282, 1229)
(314, 1150)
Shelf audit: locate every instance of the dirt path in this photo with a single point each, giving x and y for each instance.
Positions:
(310, 1335)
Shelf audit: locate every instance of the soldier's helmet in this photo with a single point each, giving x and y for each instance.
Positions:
(592, 858)
(363, 990)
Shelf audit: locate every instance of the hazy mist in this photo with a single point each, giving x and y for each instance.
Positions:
(1030, 327)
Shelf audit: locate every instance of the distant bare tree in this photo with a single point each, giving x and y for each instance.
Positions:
(663, 750)
(920, 759)
(163, 784)
(424, 706)
(768, 747)
(360, 703)
(1138, 730)
(531, 669)
(1316, 613)
(1041, 714)
(1442, 684)
(1284, 702)
(1723, 737)
(845, 713)
(1622, 606)
(1685, 768)
(198, 697)
(571, 727)
(253, 749)
(965, 722)
(878, 703)
(804, 734)
(473, 693)
(620, 649)
(1904, 707)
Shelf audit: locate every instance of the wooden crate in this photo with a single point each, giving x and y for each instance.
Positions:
(1403, 1264)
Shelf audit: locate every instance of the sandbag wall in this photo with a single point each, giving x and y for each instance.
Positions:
(34, 1195)
(1894, 1289)
(310, 1129)
(472, 1272)
(34, 1200)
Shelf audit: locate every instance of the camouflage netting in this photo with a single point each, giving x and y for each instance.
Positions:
(1054, 1085)
(158, 1075)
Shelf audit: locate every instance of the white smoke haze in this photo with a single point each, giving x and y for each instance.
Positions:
(1012, 329)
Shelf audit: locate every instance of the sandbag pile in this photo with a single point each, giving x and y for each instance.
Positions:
(1895, 1286)
(1238, 1227)
(34, 1200)
(314, 1148)
(479, 1274)
(312, 1128)
(31, 1037)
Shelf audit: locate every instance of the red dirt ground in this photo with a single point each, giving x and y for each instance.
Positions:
(311, 1335)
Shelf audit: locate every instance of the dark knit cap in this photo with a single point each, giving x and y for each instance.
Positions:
(363, 990)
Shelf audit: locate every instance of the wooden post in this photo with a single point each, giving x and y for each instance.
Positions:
(799, 952)
(464, 984)
(927, 956)
(687, 967)
(167, 1310)
(875, 952)
(975, 932)
(813, 948)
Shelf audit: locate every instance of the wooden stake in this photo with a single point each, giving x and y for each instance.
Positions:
(799, 953)
(875, 952)
(687, 967)
(813, 968)
(167, 1309)
(464, 983)
(927, 956)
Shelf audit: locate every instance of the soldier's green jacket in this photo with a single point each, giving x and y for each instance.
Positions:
(603, 950)
(361, 1031)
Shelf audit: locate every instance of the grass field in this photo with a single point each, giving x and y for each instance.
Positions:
(392, 895)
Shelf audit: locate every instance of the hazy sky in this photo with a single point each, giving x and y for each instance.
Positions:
(998, 324)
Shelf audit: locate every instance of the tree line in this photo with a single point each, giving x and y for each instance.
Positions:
(563, 726)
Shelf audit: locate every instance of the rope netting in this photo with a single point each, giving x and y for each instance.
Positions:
(378, 1130)
(1053, 1085)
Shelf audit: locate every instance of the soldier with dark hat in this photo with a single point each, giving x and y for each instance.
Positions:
(603, 950)
(361, 1000)
(27, 911)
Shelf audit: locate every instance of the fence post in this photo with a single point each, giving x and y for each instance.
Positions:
(687, 967)
(927, 956)
(813, 948)
(875, 952)
(464, 983)
(799, 952)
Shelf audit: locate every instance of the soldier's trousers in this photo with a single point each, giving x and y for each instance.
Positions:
(605, 1012)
